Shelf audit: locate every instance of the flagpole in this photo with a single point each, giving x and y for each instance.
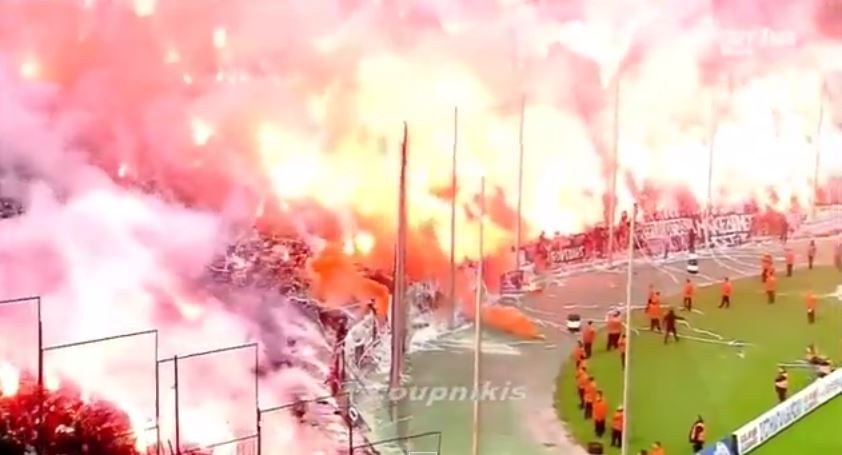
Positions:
(397, 309)
(818, 146)
(626, 375)
(454, 310)
(478, 324)
(518, 226)
(614, 165)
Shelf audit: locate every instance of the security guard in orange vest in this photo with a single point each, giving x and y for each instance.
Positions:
(770, 289)
(790, 262)
(657, 449)
(811, 307)
(781, 384)
(617, 428)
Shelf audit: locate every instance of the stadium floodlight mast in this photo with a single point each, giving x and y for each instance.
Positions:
(475, 443)
(817, 143)
(713, 128)
(398, 308)
(454, 308)
(626, 375)
(612, 202)
(520, 184)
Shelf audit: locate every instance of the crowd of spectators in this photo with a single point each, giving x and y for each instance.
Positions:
(266, 262)
(593, 243)
(70, 424)
(10, 208)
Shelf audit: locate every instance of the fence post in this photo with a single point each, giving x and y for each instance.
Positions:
(157, 399)
(175, 399)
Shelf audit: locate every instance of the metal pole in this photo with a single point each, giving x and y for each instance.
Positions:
(614, 168)
(175, 400)
(157, 399)
(714, 125)
(257, 396)
(818, 146)
(453, 306)
(259, 431)
(41, 428)
(397, 310)
(478, 324)
(626, 375)
(399, 318)
(518, 227)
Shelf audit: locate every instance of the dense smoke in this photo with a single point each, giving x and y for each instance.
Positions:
(291, 113)
(298, 107)
(107, 260)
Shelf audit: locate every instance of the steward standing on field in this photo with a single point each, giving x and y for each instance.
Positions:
(727, 287)
(578, 354)
(811, 308)
(617, 428)
(653, 310)
(688, 295)
(811, 254)
(590, 397)
(615, 327)
(781, 384)
(588, 337)
(766, 265)
(600, 412)
(582, 378)
(790, 262)
(770, 288)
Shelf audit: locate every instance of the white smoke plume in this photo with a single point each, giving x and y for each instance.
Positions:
(106, 260)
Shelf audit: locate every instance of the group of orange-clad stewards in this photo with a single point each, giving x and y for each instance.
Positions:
(591, 399)
(767, 276)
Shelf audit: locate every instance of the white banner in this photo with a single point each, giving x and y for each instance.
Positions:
(729, 229)
(775, 420)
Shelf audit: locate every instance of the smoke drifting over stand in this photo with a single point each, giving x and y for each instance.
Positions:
(288, 115)
(298, 109)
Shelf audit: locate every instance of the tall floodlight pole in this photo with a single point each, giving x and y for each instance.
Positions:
(518, 226)
(626, 370)
(478, 324)
(454, 309)
(614, 168)
(818, 145)
(398, 309)
(714, 125)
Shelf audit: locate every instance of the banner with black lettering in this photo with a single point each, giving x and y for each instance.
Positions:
(570, 249)
(659, 237)
(728, 229)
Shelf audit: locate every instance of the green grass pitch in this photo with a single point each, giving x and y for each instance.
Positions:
(671, 385)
